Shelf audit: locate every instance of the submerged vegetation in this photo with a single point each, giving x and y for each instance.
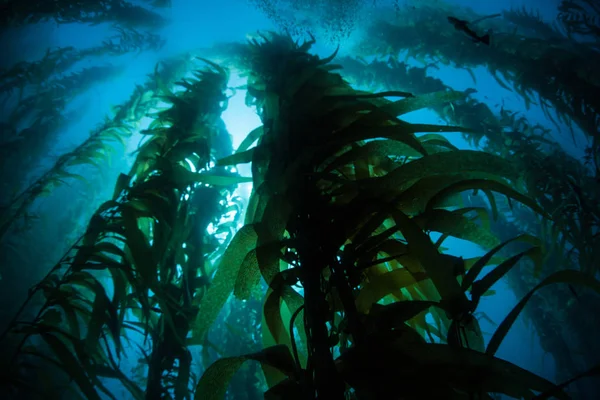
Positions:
(333, 279)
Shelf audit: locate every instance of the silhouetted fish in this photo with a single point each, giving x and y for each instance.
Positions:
(463, 26)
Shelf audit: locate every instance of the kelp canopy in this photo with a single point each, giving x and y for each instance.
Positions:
(336, 283)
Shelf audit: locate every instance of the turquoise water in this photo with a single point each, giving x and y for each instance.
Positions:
(196, 27)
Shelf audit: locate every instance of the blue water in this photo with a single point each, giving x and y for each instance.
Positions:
(201, 24)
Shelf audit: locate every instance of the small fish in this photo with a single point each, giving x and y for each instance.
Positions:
(463, 26)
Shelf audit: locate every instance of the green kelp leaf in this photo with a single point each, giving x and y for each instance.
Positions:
(274, 220)
(215, 380)
(250, 272)
(404, 106)
(488, 185)
(237, 158)
(462, 162)
(272, 315)
(294, 301)
(252, 206)
(400, 131)
(567, 276)
(485, 283)
(478, 266)
(139, 247)
(455, 224)
(376, 148)
(436, 146)
(62, 174)
(248, 276)
(224, 280)
(483, 214)
(438, 269)
(382, 285)
(103, 314)
(414, 199)
(71, 365)
(394, 315)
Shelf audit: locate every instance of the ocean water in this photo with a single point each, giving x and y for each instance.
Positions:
(56, 220)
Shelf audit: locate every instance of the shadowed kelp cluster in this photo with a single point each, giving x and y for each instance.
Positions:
(333, 280)
(42, 99)
(94, 12)
(159, 202)
(555, 74)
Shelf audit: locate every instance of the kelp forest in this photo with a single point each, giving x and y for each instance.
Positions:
(152, 256)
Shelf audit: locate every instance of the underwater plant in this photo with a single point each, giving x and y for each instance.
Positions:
(16, 13)
(96, 148)
(342, 286)
(59, 60)
(553, 178)
(150, 241)
(532, 24)
(555, 74)
(346, 218)
(580, 17)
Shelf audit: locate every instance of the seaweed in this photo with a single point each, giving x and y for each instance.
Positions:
(93, 12)
(345, 229)
(357, 299)
(558, 70)
(141, 238)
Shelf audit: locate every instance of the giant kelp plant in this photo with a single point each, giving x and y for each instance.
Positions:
(355, 236)
(342, 287)
(555, 73)
(148, 241)
(41, 99)
(16, 13)
(555, 179)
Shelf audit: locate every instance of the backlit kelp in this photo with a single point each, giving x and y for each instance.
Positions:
(38, 119)
(105, 143)
(337, 280)
(556, 74)
(559, 183)
(140, 267)
(93, 150)
(556, 180)
(530, 23)
(59, 60)
(351, 230)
